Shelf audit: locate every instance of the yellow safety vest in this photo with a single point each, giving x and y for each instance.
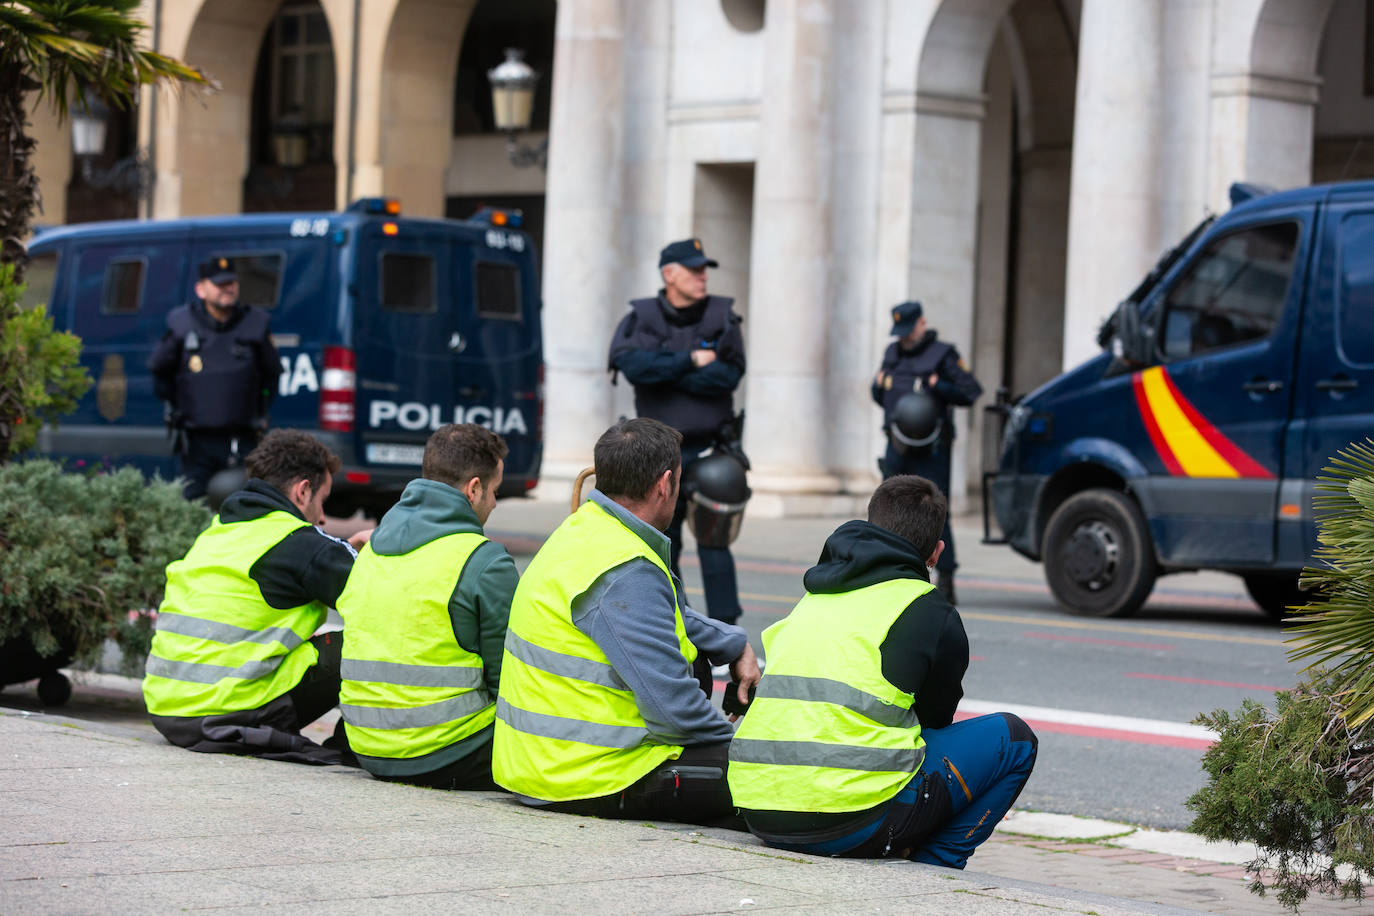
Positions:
(826, 731)
(219, 646)
(408, 688)
(567, 726)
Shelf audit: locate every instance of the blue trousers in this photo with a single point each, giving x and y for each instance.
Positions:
(717, 564)
(972, 774)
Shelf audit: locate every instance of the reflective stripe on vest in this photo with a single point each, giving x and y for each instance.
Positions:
(813, 742)
(408, 688)
(567, 726)
(218, 646)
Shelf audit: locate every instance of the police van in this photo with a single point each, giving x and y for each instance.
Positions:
(387, 327)
(1228, 380)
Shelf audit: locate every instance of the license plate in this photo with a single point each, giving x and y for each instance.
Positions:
(387, 453)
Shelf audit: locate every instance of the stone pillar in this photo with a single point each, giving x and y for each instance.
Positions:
(788, 430)
(51, 160)
(583, 260)
(1113, 201)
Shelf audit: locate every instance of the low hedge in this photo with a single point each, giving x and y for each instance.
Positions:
(83, 556)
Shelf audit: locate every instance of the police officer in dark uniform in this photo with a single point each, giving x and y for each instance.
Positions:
(918, 361)
(684, 353)
(216, 368)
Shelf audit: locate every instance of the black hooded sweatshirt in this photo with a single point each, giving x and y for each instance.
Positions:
(925, 652)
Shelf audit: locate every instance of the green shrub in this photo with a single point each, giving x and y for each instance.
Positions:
(80, 552)
(1298, 781)
(41, 377)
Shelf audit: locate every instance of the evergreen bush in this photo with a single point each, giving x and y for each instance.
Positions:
(83, 556)
(1298, 780)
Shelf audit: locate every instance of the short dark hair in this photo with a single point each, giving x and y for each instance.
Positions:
(911, 507)
(285, 456)
(633, 454)
(458, 452)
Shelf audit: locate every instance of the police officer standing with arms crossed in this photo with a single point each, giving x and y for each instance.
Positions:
(684, 353)
(919, 383)
(216, 368)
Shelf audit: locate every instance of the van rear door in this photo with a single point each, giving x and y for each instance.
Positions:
(1335, 380)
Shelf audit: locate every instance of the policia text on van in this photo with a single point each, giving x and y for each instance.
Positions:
(387, 327)
(1231, 375)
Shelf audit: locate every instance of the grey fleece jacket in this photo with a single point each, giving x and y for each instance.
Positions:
(628, 613)
(479, 608)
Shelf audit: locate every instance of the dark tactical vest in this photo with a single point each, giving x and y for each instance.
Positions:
(693, 415)
(907, 368)
(217, 384)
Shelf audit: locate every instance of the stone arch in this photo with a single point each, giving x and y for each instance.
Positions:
(1264, 93)
(408, 63)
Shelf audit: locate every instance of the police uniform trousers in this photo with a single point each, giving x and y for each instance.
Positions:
(209, 451)
(933, 464)
(972, 773)
(717, 564)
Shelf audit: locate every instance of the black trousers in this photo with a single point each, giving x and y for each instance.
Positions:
(472, 772)
(209, 451)
(691, 789)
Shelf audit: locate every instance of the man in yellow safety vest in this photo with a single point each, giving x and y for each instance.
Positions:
(425, 613)
(850, 748)
(599, 712)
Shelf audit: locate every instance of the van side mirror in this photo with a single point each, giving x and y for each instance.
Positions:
(1131, 341)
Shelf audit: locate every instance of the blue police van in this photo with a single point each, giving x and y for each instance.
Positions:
(1228, 379)
(388, 327)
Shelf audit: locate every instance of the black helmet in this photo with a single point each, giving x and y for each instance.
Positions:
(223, 485)
(916, 421)
(717, 490)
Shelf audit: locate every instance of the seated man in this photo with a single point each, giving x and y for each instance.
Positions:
(599, 712)
(425, 621)
(235, 666)
(848, 749)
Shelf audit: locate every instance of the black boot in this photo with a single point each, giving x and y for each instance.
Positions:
(944, 581)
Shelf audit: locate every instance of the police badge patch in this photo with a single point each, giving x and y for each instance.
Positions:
(112, 389)
(194, 363)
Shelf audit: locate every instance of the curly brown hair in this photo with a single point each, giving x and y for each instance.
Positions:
(285, 456)
(458, 452)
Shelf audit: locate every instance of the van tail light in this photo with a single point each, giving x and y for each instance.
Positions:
(338, 390)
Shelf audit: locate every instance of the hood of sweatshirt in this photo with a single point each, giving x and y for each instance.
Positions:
(859, 554)
(427, 510)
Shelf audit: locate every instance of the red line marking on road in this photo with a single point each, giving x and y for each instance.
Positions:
(1203, 681)
(1110, 734)
(976, 658)
(1161, 647)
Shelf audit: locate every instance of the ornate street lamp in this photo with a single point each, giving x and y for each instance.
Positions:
(129, 175)
(512, 102)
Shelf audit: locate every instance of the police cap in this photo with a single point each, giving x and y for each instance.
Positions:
(687, 252)
(904, 318)
(218, 270)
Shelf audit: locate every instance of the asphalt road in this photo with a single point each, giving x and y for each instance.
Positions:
(1184, 653)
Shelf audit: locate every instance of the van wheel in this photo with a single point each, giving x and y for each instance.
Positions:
(1098, 557)
(1275, 593)
(54, 689)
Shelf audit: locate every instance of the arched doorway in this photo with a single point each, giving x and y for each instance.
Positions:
(291, 144)
(1343, 138)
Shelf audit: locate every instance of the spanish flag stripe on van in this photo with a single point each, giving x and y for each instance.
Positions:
(1187, 443)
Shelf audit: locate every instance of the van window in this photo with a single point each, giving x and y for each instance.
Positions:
(1233, 293)
(123, 287)
(40, 277)
(1355, 297)
(408, 282)
(498, 291)
(259, 278)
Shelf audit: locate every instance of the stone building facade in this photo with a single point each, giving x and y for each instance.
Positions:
(1017, 165)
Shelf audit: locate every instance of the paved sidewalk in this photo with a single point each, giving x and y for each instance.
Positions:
(99, 814)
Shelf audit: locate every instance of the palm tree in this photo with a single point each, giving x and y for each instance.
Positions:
(67, 51)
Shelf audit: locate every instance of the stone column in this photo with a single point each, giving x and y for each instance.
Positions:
(1113, 199)
(583, 259)
(789, 290)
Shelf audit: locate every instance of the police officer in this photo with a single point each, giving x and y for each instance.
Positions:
(236, 666)
(684, 353)
(919, 362)
(216, 368)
